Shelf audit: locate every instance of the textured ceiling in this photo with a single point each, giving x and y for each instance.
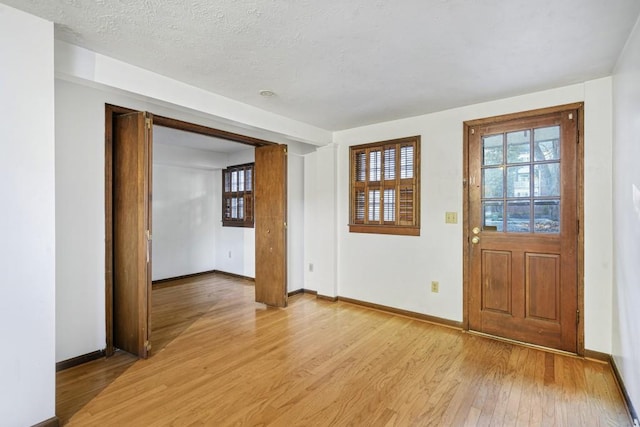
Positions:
(338, 64)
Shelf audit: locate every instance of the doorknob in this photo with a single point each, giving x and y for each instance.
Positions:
(475, 230)
(475, 240)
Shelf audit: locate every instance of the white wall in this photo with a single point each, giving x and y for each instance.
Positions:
(27, 220)
(438, 250)
(296, 219)
(626, 220)
(186, 205)
(320, 245)
(598, 214)
(236, 245)
(186, 212)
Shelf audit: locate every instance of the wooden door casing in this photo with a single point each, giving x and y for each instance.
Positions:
(524, 286)
(270, 206)
(131, 232)
(111, 113)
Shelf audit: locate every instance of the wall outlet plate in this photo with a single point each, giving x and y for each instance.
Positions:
(435, 286)
(451, 217)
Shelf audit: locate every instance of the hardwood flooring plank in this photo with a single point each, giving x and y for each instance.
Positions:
(220, 359)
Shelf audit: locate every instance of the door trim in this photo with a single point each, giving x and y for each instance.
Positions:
(110, 112)
(466, 246)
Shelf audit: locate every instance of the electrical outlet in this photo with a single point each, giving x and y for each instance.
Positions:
(435, 287)
(229, 254)
(310, 268)
(451, 217)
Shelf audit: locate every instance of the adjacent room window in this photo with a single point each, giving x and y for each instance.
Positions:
(385, 187)
(237, 196)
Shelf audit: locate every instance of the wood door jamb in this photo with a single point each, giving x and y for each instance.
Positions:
(110, 112)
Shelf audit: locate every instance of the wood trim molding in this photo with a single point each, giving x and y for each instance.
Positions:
(580, 209)
(326, 297)
(79, 360)
(616, 373)
(303, 291)
(51, 422)
(411, 314)
(385, 229)
(208, 131)
(185, 276)
(162, 283)
(597, 356)
(524, 114)
(465, 225)
(238, 276)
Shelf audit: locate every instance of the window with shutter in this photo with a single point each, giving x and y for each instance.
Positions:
(237, 196)
(385, 187)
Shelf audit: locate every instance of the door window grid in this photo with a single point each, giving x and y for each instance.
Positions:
(520, 194)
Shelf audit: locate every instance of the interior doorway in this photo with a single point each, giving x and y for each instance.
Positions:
(523, 230)
(128, 257)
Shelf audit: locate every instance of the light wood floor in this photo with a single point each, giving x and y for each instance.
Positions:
(220, 359)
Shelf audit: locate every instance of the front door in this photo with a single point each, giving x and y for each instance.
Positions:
(523, 227)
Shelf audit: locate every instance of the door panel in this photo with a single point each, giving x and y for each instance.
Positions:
(131, 232)
(270, 225)
(496, 281)
(543, 286)
(522, 210)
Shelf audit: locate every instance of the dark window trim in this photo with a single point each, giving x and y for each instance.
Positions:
(362, 182)
(247, 196)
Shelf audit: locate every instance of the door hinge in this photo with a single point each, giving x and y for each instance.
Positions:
(148, 235)
(285, 224)
(577, 317)
(285, 151)
(148, 122)
(473, 131)
(147, 345)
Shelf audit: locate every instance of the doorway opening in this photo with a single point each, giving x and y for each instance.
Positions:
(523, 227)
(128, 222)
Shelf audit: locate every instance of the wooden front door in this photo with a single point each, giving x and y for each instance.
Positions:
(523, 227)
(270, 224)
(132, 232)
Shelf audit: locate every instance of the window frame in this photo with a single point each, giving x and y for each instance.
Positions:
(247, 197)
(405, 223)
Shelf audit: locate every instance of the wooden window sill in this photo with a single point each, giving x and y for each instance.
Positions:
(385, 229)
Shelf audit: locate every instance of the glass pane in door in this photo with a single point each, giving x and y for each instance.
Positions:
(492, 183)
(492, 216)
(492, 148)
(546, 216)
(546, 143)
(547, 180)
(519, 216)
(518, 181)
(518, 146)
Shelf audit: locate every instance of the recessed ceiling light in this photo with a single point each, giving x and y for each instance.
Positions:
(267, 93)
